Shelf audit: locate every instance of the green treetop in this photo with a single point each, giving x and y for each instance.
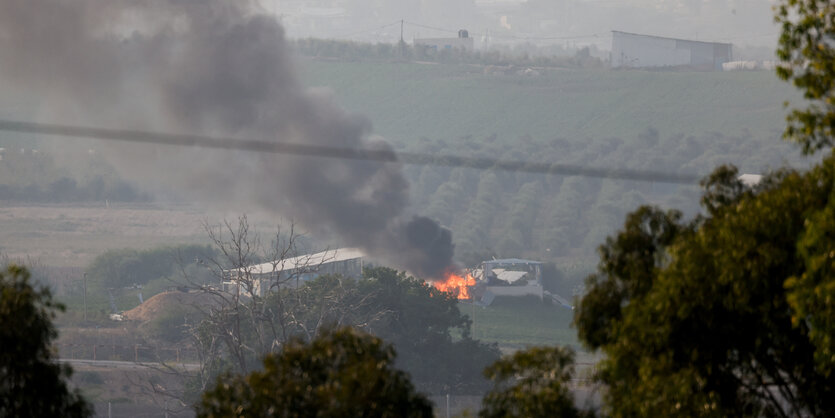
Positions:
(32, 384)
(341, 372)
(808, 53)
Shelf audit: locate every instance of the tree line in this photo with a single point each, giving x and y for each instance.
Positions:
(402, 51)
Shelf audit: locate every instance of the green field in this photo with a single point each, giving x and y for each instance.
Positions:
(406, 101)
(676, 122)
(520, 322)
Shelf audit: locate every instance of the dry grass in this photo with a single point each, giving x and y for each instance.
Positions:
(72, 236)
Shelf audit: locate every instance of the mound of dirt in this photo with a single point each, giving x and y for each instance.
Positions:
(165, 301)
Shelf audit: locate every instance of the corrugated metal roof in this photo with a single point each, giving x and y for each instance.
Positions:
(306, 261)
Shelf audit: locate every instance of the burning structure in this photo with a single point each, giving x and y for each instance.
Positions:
(507, 277)
(459, 284)
(495, 278)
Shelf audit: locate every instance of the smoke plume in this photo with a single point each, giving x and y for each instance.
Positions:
(218, 68)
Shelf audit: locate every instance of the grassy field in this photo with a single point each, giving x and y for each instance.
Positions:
(73, 235)
(520, 322)
(406, 101)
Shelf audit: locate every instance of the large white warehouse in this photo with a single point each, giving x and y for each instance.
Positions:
(631, 50)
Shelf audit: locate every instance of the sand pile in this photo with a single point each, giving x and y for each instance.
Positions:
(162, 302)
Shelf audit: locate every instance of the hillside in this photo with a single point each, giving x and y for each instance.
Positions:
(406, 101)
(683, 122)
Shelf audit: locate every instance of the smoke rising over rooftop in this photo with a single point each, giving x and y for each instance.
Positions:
(214, 67)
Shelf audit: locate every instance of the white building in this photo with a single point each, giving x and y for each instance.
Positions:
(295, 271)
(463, 41)
(631, 50)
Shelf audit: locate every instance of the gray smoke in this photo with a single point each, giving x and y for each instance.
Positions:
(218, 68)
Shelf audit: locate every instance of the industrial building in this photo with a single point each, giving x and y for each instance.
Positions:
(631, 50)
(295, 271)
(463, 41)
(511, 277)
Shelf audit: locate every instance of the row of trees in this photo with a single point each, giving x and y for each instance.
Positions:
(355, 51)
(547, 217)
(35, 176)
(66, 190)
(131, 267)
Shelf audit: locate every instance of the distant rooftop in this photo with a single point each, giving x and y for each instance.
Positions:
(750, 180)
(667, 37)
(306, 261)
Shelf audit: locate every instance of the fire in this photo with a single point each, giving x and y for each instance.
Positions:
(457, 285)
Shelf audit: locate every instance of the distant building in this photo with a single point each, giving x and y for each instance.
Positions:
(295, 271)
(463, 41)
(750, 180)
(630, 50)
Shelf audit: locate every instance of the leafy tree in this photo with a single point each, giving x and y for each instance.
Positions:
(522, 215)
(731, 314)
(532, 383)
(421, 321)
(446, 202)
(126, 267)
(808, 54)
(727, 315)
(478, 219)
(342, 372)
(31, 382)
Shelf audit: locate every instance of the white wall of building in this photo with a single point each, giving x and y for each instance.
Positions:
(645, 51)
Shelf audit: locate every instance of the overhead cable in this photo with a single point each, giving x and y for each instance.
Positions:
(361, 154)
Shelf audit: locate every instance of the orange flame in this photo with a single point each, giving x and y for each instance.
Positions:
(457, 285)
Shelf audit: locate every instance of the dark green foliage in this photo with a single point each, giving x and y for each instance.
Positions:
(32, 384)
(476, 221)
(532, 383)
(420, 321)
(727, 316)
(128, 267)
(424, 325)
(342, 372)
(806, 48)
(518, 230)
(627, 265)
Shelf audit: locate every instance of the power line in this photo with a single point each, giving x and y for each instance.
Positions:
(360, 154)
(374, 29)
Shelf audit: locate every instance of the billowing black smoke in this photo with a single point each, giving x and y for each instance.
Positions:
(219, 68)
